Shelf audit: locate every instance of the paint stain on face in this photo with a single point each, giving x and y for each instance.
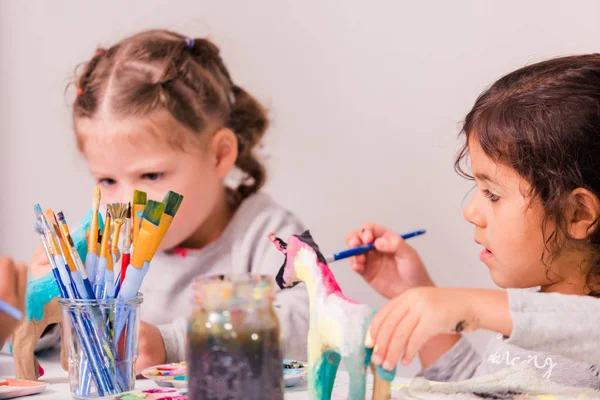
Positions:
(460, 326)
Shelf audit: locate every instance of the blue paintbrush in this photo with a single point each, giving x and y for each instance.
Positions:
(10, 310)
(366, 248)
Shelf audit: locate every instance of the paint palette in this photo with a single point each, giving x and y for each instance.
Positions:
(12, 388)
(293, 372)
(152, 394)
(168, 375)
(174, 375)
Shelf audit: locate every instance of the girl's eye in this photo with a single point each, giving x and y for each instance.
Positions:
(106, 182)
(493, 197)
(152, 176)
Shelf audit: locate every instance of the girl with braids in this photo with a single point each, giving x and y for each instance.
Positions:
(159, 111)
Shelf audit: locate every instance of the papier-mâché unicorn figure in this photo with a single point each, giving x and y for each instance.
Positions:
(338, 326)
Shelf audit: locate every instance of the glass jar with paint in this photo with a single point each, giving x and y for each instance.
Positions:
(234, 344)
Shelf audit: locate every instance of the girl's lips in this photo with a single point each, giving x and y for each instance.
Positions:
(485, 255)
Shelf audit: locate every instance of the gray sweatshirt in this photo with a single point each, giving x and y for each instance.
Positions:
(558, 335)
(244, 246)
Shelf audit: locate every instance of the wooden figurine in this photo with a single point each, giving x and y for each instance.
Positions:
(42, 310)
(338, 326)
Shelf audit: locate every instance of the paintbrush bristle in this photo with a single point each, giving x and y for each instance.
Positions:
(129, 210)
(51, 217)
(61, 217)
(37, 227)
(172, 202)
(118, 212)
(96, 199)
(139, 197)
(154, 211)
(38, 210)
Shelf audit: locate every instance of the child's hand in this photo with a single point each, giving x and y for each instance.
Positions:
(40, 266)
(151, 347)
(406, 323)
(409, 321)
(13, 284)
(394, 268)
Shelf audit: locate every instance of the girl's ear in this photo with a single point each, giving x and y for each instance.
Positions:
(224, 146)
(583, 213)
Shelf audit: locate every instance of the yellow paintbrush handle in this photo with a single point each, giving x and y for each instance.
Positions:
(105, 238)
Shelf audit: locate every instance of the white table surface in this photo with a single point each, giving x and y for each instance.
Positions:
(59, 385)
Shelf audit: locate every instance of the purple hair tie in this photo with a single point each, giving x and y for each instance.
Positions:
(189, 42)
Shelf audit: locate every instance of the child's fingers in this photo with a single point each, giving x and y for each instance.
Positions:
(358, 263)
(388, 243)
(353, 239)
(371, 231)
(382, 334)
(385, 240)
(417, 339)
(381, 317)
(366, 232)
(7, 276)
(39, 254)
(398, 340)
(40, 265)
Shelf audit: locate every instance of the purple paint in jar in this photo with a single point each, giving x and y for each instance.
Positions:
(234, 340)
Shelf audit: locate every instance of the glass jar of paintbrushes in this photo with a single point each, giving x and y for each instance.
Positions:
(234, 348)
(100, 311)
(99, 370)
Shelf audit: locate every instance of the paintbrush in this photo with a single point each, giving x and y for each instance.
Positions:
(38, 227)
(102, 259)
(125, 258)
(172, 202)
(10, 310)
(139, 203)
(74, 272)
(118, 211)
(144, 248)
(91, 258)
(366, 248)
(64, 228)
(51, 218)
(63, 270)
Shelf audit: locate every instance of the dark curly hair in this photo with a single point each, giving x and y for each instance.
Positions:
(543, 120)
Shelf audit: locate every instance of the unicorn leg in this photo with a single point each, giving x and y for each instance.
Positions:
(382, 389)
(355, 365)
(322, 375)
(382, 379)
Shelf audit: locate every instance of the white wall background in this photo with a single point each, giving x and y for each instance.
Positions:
(365, 97)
